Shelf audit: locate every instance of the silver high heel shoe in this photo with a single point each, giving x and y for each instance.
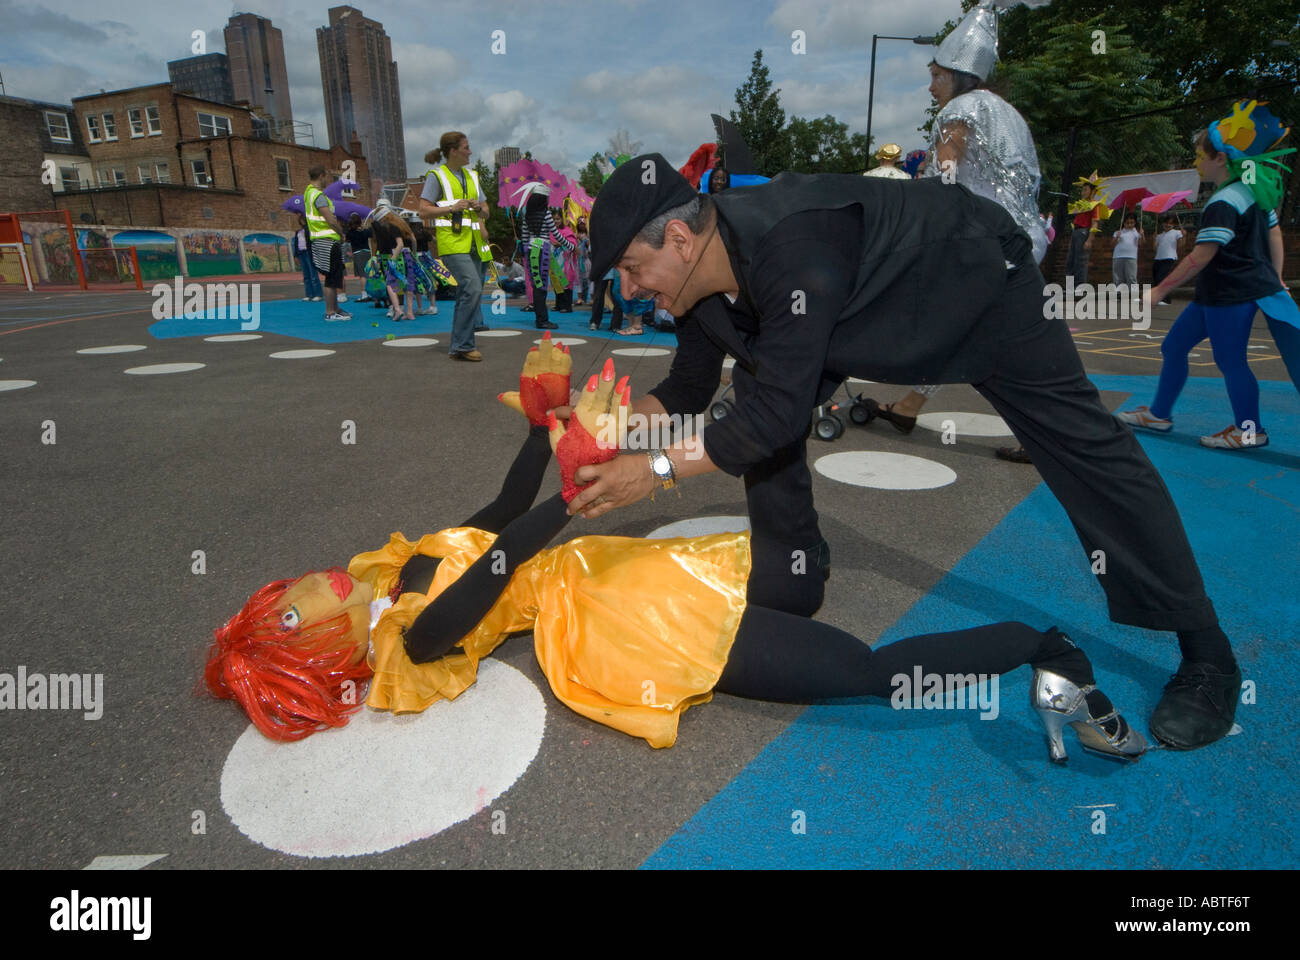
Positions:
(1059, 701)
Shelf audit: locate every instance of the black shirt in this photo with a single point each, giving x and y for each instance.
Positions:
(888, 280)
(1242, 269)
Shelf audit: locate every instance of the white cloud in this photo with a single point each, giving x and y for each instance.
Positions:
(835, 24)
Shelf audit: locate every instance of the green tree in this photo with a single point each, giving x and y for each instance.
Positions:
(824, 145)
(761, 121)
(499, 230)
(590, 179)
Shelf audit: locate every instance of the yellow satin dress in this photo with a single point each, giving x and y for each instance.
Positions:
(629, 632)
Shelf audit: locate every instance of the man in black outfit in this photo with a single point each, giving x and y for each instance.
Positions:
(807, 280)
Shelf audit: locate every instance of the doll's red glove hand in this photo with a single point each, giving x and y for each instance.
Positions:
(544, 382)
(596, 428)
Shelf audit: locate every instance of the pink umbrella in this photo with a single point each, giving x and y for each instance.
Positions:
(1162, 202)
(1128, 198)
(513, 177)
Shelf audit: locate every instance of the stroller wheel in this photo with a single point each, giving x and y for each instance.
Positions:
(860, 413)
(828, 428)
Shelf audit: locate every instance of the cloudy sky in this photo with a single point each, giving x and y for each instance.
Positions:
(568, 80)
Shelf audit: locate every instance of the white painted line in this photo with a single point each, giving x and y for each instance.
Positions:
(410, 342)
(300, 354)
(119, 348)
(498, 333)
(699, 527)
(233, 338)
(386, 780)
(641, 352)
(571, 341)
(135, 861)
(859, 380)
(15, 384)
(884, 471)
(967, 424)
(154, 368)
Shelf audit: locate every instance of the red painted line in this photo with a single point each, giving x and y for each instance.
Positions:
(54, 323)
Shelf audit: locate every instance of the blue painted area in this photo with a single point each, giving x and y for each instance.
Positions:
(886, 788)
(306, 321)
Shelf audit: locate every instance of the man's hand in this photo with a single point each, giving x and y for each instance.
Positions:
(622, 481)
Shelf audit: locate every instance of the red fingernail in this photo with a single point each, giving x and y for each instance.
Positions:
(591, 384)
(622, 384)
(546, 335)
(608, 373)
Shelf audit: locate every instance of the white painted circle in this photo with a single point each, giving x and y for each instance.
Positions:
(15, 384)
(165, 368)
(859, 380)
(386, 780)
(884, 471)
(233, 338)
(411, 342)
(966, 424)
(700, 527)
(641, 352)
(498, 333)
(300, 354)
(570, 341)
(119, 348)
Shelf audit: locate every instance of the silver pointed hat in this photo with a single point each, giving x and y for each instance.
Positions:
(973, 46)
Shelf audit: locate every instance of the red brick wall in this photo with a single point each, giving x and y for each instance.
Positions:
(1099, 265)
(20, 161)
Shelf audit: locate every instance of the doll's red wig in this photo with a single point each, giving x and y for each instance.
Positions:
(291, 683)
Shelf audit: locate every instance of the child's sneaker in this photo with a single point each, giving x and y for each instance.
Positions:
(1234, 438)
(343, 298)
(336, 317)
(1141, 417)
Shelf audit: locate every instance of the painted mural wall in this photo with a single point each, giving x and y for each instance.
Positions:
(162, 254)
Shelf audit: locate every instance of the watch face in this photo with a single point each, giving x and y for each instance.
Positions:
(662, 465)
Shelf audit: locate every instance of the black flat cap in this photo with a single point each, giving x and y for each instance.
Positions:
(637, 192)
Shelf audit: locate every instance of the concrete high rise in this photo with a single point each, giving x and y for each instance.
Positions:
(505, 156)
(257, 72)
(206, 76)
(359, 81)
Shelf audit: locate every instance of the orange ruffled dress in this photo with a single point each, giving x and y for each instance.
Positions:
(629, 632)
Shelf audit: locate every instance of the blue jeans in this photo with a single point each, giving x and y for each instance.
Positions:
(469, 299)
(310, 277)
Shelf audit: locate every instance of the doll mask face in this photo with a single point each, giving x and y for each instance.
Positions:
(318, 597)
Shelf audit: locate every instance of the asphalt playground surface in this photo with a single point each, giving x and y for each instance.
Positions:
(242, 458)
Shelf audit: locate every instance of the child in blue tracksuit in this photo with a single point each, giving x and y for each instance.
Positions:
(1237, 263)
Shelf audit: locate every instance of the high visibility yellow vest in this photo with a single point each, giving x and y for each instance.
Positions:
(318, 227)
(467, 240)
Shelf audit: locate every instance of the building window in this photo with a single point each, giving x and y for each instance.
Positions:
(155, 125)
(282, 173)
(57, 125)
(136, 118)
(164, 174)
(200, 170)
(112, 177)
(145, 171)
(70, 177)
(92, 128)
(211, 125)
(119, 177)
(110, 128)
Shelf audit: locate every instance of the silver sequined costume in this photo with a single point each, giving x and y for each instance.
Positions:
(999, 162)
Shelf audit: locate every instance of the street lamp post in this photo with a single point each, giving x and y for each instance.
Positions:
(871, 89)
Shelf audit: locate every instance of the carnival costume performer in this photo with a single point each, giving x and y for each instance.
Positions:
(539, 236)
(629, 632)
(1089, 212)
(982, 142)
(1237, 263)
(888, 157)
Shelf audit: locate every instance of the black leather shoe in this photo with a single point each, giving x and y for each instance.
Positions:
(1197, 708)
(901, 423)
(547, 325)
(1014, 454)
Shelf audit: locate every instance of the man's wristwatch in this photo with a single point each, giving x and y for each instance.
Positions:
(662, 468)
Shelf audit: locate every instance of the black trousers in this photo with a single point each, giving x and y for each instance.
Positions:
(598, 306)
(1089, 459)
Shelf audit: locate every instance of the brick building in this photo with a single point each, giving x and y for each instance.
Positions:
(165, 159)
(33, 132)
